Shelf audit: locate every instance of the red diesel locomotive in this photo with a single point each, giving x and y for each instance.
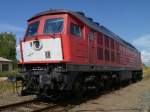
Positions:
(66, 52)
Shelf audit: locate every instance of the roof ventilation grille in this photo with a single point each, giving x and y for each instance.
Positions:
(97, 23)
(81, 13)
(90, 19)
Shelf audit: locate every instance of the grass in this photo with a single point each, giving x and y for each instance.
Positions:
(6, 87)
(8, 74)
(146, 72)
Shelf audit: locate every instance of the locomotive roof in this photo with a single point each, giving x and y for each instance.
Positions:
(89, 21)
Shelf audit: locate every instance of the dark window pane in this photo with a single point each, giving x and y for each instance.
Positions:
(76, 30)
(100, 39)
(112, 44)
(53, 25)
(112, 56)
(5, 67)
(118, 57)
(91, 35)
(117, 46)
(106, 42)
(32, 29)
(107, 55)
(100, 53)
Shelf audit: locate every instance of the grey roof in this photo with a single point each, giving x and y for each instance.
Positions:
(4, 60)
(89, 22)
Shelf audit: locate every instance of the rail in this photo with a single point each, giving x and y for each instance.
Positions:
(34, 105)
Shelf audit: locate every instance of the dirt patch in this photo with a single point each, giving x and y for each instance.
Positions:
(133, 98)
(13, 98)
(3, 79)
(9, 95)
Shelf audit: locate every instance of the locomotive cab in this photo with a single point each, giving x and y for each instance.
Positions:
(41, 53)
(42, 42)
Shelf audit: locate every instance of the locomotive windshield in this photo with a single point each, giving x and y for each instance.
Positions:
(32, 29)
(53, 26)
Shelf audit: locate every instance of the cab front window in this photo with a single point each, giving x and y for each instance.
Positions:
(53, 26)
(32, 29)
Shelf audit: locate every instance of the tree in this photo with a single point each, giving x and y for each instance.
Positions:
(8, 46)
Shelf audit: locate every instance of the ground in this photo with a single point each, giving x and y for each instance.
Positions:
(133, 98)
(9, 95)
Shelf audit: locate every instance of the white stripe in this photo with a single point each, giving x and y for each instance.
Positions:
(53, 45)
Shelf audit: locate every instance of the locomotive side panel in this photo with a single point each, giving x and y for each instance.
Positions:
(107, 50)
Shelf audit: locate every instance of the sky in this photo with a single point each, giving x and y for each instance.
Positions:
(130, 19)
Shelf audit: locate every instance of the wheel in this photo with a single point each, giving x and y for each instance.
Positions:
(78, 89)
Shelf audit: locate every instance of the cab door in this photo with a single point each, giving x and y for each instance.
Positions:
(77, 43)
(91, 47)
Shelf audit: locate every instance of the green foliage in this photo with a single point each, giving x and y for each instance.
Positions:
(8, 74)
(8, 46)
(146, 70)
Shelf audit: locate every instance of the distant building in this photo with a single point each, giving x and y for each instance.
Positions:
(5, 65)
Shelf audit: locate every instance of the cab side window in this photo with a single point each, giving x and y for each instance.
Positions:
(76, 30)
(91, 35)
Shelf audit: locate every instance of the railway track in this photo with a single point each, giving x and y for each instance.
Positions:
(35, 105)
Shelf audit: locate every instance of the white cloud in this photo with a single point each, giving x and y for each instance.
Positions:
(146, 57)
(10, 28)
(143, 43)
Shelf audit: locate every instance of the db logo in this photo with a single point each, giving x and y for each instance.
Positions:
(37, 45)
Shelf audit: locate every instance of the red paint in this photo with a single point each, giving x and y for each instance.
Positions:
(22, 60)
(82, 50)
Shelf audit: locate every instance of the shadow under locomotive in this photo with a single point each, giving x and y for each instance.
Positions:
(55, 83)
(70, 101)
